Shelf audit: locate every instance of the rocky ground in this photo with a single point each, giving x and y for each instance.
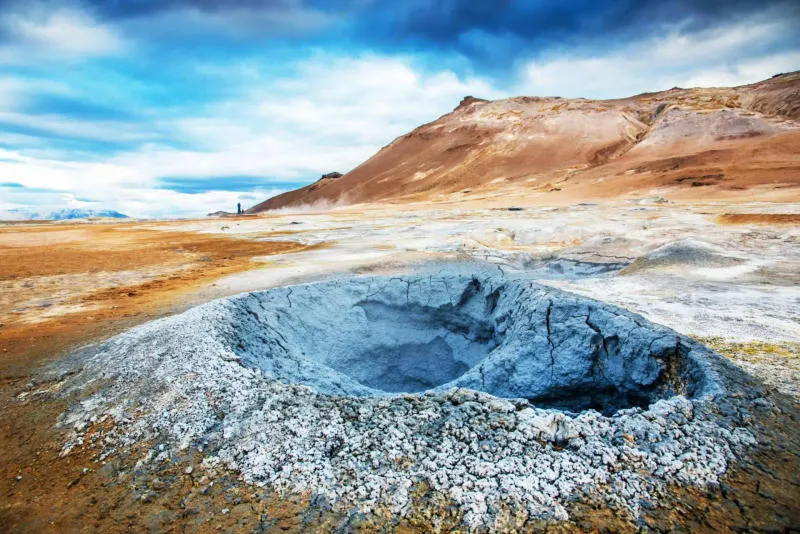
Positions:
(729, 281)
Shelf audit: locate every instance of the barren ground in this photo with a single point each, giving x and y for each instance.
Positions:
(725, 274)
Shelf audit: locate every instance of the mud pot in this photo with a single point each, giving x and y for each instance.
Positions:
(497, 392)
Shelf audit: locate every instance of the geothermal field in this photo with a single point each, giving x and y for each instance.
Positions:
(624, 364)
(483, 328)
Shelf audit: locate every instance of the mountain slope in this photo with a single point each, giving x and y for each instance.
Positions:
(677, 142)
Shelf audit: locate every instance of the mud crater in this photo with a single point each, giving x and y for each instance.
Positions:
(356, 389)
(510, 339)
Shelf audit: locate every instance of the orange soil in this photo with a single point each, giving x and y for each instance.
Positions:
(759, 218)
(54, 495)
(190, 260)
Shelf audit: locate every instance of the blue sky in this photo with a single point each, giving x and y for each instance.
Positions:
(181, 107)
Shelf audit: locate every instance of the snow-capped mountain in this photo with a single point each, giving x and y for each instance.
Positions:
(78, 213)
(60, 215)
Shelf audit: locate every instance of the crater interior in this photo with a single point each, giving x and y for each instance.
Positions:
(356, 389)
(509, 338)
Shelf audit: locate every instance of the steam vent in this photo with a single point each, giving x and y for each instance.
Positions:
(496, 395)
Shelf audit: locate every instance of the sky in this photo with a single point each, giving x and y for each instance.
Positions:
(176, 108)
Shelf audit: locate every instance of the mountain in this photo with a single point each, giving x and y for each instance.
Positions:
(77, 213)
(681, 143)
(62, 214)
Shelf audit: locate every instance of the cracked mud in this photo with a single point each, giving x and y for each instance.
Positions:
(495, 391)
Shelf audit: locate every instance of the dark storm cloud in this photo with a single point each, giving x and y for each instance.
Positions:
(445, 21)
(487, 32)
(116, 9)
(495, 33)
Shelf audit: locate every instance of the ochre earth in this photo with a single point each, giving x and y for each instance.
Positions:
(32, 258)
(53, 494)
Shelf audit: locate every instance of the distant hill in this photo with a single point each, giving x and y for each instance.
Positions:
(61, 215)
(681, 143)
(77, 213)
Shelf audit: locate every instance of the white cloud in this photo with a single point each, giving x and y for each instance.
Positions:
(50, 185)
(359, 98)
(78, 177)
(38, 32)
(331, 114)
(723, 56)
(15, 91)
(747, 71)
(59, 125)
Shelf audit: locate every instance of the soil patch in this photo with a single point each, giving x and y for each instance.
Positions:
(760, 218)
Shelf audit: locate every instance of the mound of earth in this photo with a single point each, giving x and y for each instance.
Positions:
(513, 401)
(685, 253)
(722, 140)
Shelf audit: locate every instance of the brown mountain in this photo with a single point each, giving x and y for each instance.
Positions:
(682, 143)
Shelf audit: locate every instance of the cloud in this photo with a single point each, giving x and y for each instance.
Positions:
(730, 55)
(40, 31)
(493, 36)
(447, 21)
(139, 8)
(194, 186)
(272, 135)
(47, 185)
(490, 36)
(15, 91)
(197, 20)
(61, 125)
(300, 126)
